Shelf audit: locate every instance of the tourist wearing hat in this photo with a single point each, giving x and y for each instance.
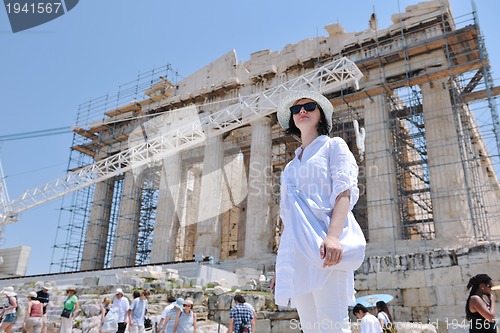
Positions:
(318, 191)
(185, 322)
(170, 305)
(122, 304)
(43, 296)
(168, 316)
(9, 310)
(34, 313)
(70, 306)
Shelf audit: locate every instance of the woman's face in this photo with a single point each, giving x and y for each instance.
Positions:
(486, 288)
(306, 120)
(186, 307)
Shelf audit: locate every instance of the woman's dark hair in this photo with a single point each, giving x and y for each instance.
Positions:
(473, 285)
(382, 306)
(136, 294)
(322, 126)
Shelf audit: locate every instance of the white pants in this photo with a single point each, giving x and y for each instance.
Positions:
(44, 323)
(136, 328)
(66, 324)
(326, 310)
(34, 324)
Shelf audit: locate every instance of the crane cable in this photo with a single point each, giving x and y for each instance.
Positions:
(35, 134)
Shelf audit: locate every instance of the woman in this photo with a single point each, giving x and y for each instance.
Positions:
(70, 306)
(34, 311)
(9, 310)
(171, 315)
(105, 308)
(384, 317)
(480, 305)
(185, 322)
(318, 191)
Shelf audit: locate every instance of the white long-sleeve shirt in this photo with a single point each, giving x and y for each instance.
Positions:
(309, 189)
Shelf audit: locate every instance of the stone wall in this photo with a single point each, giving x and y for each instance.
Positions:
(429, 286)
(213, 300)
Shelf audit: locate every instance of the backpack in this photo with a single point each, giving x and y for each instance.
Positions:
(148, 324)
(111, 320)
(244, 327)
(19, 308)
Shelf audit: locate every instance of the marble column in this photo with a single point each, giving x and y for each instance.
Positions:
(190, 202)
(209, 224)
(381, 187)
(259, 227)
(452, 218)
(244, 207)
(127, 228)
(167, 213)
(96, 234)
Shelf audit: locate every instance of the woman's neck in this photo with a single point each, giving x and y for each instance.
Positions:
(308, 137)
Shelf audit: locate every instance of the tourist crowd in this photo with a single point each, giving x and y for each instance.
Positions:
(116, 315)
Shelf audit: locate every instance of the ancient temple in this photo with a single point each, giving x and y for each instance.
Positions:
(426, 168)
(421, 124)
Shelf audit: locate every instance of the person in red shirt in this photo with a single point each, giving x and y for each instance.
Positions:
(34, 312)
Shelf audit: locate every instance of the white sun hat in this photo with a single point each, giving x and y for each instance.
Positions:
(9, 291)
(285, 104)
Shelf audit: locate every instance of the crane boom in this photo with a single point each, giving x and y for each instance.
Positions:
(336, 75)
(4, 195)
(5, 217)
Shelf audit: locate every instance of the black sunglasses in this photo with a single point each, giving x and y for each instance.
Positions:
(309, 107)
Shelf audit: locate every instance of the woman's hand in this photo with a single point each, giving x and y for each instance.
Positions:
(331, 250)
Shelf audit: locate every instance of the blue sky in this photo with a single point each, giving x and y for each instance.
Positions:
(47, 71)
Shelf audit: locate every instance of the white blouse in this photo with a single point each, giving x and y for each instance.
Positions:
(383, 316)
(309, 189)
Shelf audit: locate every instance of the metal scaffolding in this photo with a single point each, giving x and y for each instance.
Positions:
(74, 216)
